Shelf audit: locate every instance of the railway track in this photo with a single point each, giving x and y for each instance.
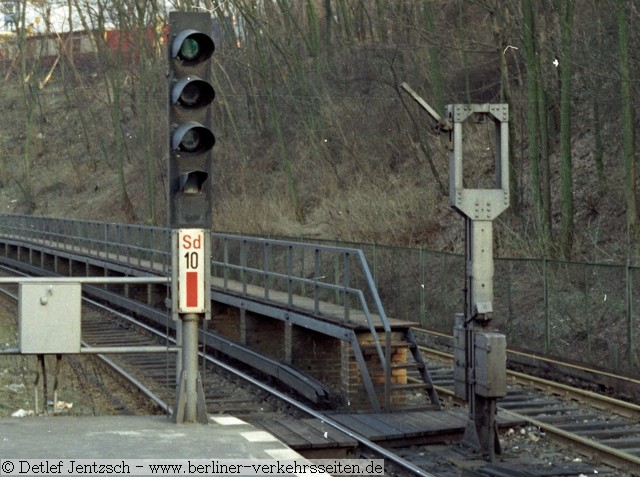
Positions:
(602, 428)
(154, 374)
(230, 391)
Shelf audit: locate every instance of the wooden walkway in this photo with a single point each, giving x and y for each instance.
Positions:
(315, 439)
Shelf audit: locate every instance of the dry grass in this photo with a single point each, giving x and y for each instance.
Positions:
(356, 162)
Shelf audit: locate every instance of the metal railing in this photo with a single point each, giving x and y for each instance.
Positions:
(587, 312)
(135, 245)
(325, 280)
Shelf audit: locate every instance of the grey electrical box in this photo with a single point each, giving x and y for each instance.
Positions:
(49, 318)
(491, 364)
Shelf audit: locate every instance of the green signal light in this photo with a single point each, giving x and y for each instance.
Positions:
(190, 49)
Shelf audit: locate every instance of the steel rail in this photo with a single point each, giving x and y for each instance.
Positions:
(590, 447)
(606, 454)
(623, 408)
(133, 381)
(405, 464)
(545, 359)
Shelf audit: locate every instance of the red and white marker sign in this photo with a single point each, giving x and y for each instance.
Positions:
(191, 269)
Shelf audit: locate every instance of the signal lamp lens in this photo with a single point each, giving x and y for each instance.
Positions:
(190, 49)
(190, 141)
(190, 95)
(192, 138)
(191, 182)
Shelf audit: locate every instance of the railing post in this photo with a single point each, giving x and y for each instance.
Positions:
(76, 239)
(347, 279)
(303, 290)
(138, 246)
(375, 263)
(290, 275)
(266, 252)
(105, 234)
(95, 233)
(243, 263)
(65, 233)
(225, 260)
(336, 276)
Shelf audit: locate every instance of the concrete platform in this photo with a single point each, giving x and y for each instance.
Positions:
(137, 437)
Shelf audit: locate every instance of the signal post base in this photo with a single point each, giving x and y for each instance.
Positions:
(190, 403)
(180, 415)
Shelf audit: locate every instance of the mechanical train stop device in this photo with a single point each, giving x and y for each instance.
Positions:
(479, 354)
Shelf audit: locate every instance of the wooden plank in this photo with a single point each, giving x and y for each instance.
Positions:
(382, 421)
(351, 422)
(453, 418)
(342, 439)
(374, 421)
(439, 421)
(401, 420)
(314, 437)
(285, 434)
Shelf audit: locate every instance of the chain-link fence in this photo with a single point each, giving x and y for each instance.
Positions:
(585, 312)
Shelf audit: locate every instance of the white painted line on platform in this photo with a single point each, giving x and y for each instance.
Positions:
(258, 436)
(283, 454)
(227, 420)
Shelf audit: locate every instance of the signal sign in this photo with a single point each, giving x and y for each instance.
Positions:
(191, 271)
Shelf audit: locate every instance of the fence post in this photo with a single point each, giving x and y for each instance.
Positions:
(316, 275)
(375, 264)
(587, 315)
(545, 289)
(422, 287)
(629, 309)
(509, 265)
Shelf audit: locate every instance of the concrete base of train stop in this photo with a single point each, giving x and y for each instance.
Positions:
(136, 437)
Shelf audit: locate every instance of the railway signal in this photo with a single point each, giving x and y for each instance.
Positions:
(191, 140)
(191, 136)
